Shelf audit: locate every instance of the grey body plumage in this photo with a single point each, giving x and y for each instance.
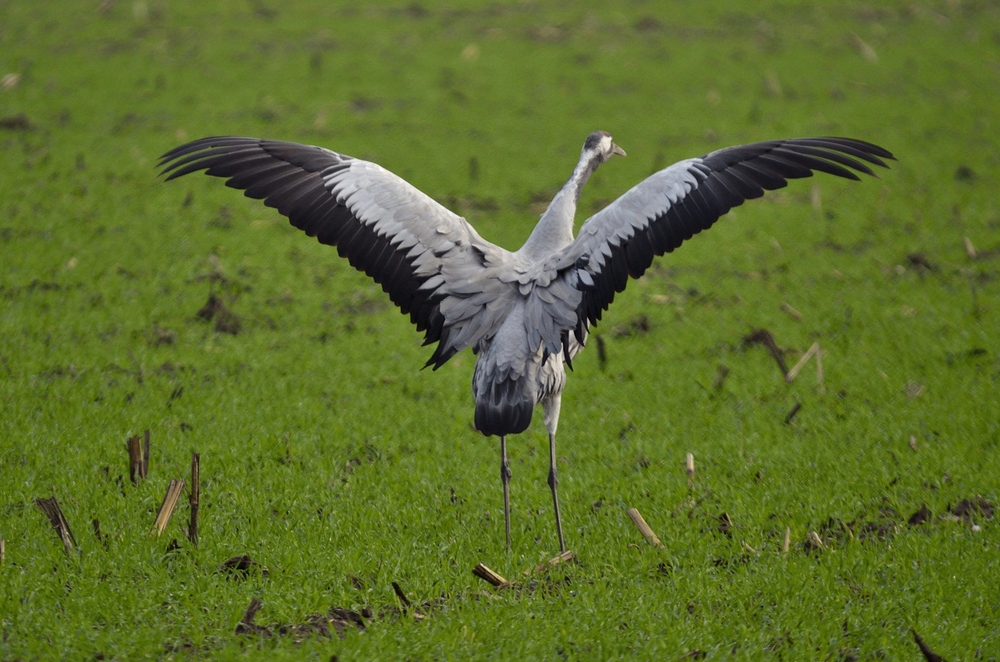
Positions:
(526, 313)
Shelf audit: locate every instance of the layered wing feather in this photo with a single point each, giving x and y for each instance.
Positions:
(431, 262)
(674, 204)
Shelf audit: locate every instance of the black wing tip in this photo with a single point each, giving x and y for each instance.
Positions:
(860, 149)
(171, 160)
(871, 148)
(437, 359)
(837, 149)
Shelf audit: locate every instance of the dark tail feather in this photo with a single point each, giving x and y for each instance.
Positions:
(505, 408)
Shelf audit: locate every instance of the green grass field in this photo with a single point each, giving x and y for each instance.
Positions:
(336, 464)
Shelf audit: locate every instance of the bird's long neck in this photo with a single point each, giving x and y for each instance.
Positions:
(555, 228)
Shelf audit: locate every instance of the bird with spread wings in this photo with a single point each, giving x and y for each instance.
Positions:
(524, 313)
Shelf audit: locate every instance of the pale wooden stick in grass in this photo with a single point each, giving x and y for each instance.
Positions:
(794, 314)
(52, 510)
(167, 507)
(819, 369)
(747, 547)
(815, 540)
(644, 528)
(561, 557)
(138, 457)
(788, 540)
(489, 576)
(725, 523)
(195, 498)
(811, 352)
(3, 551)
(970, 250)
(689, 465)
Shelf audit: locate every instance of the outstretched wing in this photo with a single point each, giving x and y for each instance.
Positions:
(430, 261)
(674, 204)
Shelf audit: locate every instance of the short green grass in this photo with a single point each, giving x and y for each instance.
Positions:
(331, 460)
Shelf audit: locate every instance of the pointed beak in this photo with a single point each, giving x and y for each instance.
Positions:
(618, 150)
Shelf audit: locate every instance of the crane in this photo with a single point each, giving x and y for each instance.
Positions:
(524, 313)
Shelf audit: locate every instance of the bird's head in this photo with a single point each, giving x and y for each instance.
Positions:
(599, 144)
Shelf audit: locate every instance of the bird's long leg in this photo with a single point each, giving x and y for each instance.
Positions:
(551, 406)
(505, 478)
(553, 483)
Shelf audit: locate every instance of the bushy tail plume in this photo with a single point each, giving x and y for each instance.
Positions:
(504, 406)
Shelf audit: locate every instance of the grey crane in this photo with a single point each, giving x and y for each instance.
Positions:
(526, 313)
